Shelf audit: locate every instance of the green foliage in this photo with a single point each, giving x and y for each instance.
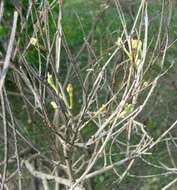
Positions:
(3, 31)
